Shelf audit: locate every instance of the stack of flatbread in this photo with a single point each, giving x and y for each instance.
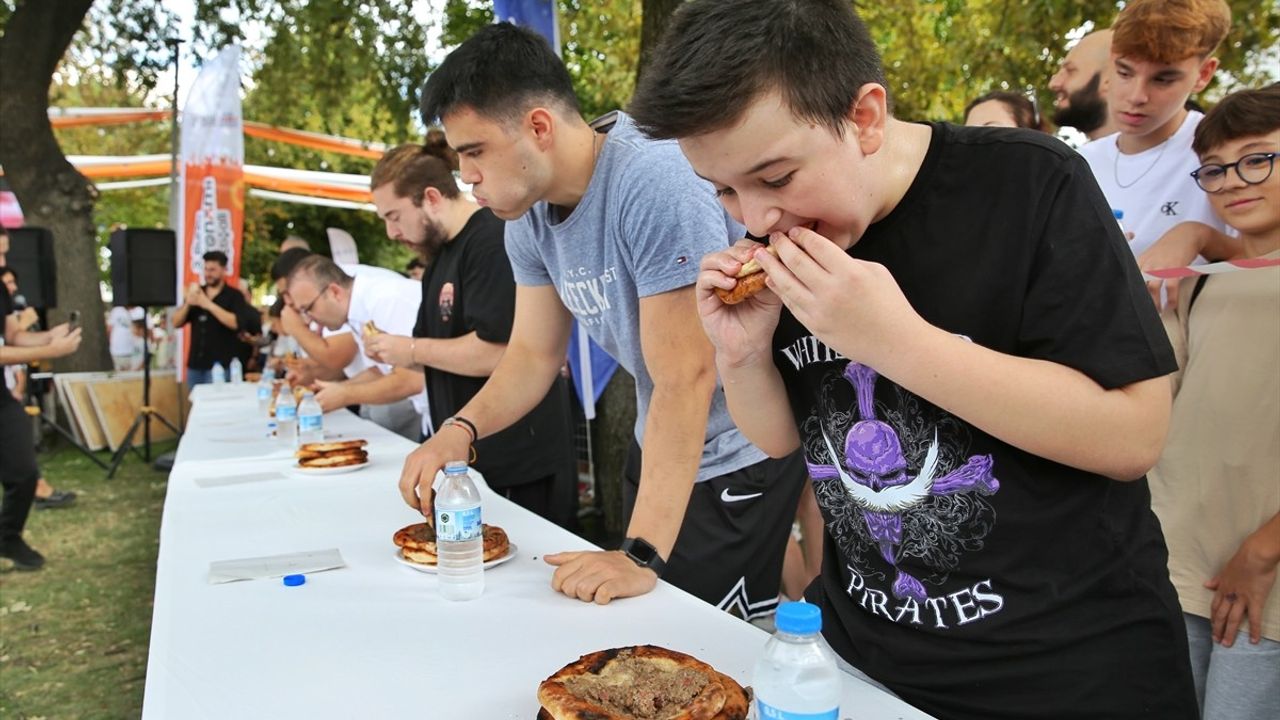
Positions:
(332, 454)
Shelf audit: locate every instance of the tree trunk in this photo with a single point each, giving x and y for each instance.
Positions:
(52, 193)
(653, 21)
(611, 434)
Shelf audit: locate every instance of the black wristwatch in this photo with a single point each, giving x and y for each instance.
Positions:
(643, 554)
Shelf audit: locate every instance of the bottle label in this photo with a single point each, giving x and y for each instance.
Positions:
(286, 413)
(309, 423)
(768, 712)
(458, 525)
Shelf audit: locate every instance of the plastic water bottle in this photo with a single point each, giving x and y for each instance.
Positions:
(219, 374)
(286, 417)
(459, 534)
(237, 371)
(264, 392)
(310, 420)
(797, 678)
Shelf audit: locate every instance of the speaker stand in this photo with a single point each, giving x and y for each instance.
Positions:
(145, 414)
(35, 408)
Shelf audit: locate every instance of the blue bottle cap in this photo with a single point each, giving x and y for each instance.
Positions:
(295, 580)
(1118, 213)
(798, 618)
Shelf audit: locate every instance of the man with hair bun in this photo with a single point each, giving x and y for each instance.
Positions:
(464, 322)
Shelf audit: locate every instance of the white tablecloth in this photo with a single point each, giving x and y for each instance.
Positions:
(374, 639)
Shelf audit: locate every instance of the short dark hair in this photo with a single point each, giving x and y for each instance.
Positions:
(215, 256)
(287, 261)
(717, 56)
(501, 72)
(1019, 105)
(321, 271)
(1242, 114)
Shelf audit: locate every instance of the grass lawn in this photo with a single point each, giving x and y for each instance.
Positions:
(74, 635)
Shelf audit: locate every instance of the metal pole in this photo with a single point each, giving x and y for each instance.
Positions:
(174, 138)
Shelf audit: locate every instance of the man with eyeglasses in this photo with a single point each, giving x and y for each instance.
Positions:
(216, 313)
(336, 354)
(1161, 54)
(321, 291)
(1216, 488)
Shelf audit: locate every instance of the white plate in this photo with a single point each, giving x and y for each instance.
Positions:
(341, 469)
(431, 569)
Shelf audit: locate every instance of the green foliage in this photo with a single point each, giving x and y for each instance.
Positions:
(940, 54)
(600, 44)
(140, 207)
(123, 43)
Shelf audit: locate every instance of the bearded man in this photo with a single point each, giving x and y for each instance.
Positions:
(464, 322)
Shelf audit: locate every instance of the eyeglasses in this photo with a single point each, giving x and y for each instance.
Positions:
(306, 309)
(1253, 169)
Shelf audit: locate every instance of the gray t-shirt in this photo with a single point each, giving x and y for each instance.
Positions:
(641, 229)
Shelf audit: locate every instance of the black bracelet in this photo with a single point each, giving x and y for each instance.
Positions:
(470, 426)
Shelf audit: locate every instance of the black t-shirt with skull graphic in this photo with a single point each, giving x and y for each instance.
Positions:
(974, 579)
(469, 287)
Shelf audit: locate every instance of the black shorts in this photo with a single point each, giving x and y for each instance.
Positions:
(731, 544)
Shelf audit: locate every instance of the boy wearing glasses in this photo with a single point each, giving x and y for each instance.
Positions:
(955, 336)
(1161, 55)
(1216, 488)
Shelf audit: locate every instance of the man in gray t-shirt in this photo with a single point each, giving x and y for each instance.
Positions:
(607, 227)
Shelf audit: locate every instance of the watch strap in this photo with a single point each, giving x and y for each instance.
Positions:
(644, 554)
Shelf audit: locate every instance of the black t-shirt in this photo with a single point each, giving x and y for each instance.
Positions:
(974, 579)
(469, 287)
(211, 341)
(6, 309)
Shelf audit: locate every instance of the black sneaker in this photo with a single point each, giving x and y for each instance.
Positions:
(23, 557)
(57, 499)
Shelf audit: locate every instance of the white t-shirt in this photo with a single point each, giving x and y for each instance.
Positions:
(391, 301)
(121, 324)
(359, 363)
(1154, 188)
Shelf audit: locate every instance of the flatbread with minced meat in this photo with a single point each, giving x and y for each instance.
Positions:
(643, 682)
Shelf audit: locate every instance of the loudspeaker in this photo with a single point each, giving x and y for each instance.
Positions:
(31, 256)
(144, 267)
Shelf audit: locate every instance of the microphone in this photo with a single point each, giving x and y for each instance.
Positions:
(19, 302)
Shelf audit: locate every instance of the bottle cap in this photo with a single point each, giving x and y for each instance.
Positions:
(798, 618)
(295, 580)
(1118, 213)
(456, 467)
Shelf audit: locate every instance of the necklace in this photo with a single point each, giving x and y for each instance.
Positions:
(1115, 167)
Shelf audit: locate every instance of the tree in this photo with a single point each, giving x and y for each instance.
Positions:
(52, 193)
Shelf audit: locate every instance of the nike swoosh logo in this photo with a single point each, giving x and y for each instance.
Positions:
(726, 497)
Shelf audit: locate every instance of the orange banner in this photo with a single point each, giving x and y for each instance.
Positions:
(115, 118)
(315, 141)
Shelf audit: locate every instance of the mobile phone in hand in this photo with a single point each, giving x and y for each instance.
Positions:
(73, 320)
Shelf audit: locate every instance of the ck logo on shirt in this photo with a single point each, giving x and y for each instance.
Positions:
(1170, 208)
